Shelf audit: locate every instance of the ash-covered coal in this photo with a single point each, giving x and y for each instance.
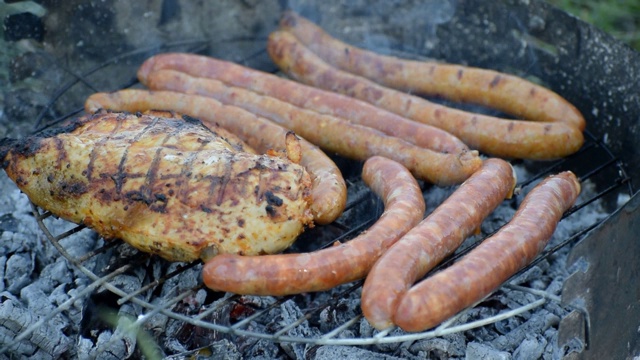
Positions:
(37, 281)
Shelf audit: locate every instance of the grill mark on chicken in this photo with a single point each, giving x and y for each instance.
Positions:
(121, 176)
(183, 178)
(222, 184)
(62, 154)
(146, 191)
(99, 145)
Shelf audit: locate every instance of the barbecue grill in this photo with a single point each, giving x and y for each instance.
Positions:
(69, 294)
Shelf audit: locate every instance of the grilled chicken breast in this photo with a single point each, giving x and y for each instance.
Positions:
(164, 185)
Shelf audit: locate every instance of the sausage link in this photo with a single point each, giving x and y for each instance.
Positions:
(437, 236)
(329, 191)
(491, 135)
(286, 274)
(496, 259)
(507, 93)
(330, 133)
(308, 97)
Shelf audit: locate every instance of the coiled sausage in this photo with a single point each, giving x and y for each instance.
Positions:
(437, 236)
(497, 258)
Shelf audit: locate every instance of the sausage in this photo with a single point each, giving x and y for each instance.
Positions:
(286, 274)
(491, 135)
(308, 97)
(497, 258)
(329, 191)
(507, 93)
(435, 237)
(329, 132)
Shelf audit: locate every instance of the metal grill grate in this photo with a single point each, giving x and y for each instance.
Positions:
(237, 315)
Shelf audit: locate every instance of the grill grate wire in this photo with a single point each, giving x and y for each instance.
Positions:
(610, 164)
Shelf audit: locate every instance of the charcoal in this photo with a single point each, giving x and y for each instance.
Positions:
(47, 340)
(263, 349)
(337, 314)
(507, 325)
(19, 268)
(83, 348)
(175, 346)
(184, 281)
(478, 351)
(118, 344)
(529, 275)
(106, 349)
(157, 323)
(555, 287)
(129, 283)
(76, 309)
(332, 352)
(290, 313)
(3, 262)
(393, 346)
(404, 352)
(79, 244)
(516, 299)
(366, 330)
(11, 243)
(556, 309)
(37, 300)
(531, 347)
(446, 347)
(535, 324)
(552, 351)
(219, 350)
(58, 272)
(127, 314)
(224, 350)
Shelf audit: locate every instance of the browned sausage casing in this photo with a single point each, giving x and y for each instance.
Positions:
(504, 92)
(308, 97)
(491, 135)
(329, 132)
(324, 269)
(437, 236)
(329, 192)
(496, 259)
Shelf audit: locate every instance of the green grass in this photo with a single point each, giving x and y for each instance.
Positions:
(620, 18)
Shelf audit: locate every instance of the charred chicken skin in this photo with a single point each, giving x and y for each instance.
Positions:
(165, 185)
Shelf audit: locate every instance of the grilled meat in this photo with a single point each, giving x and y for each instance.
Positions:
(164, 185)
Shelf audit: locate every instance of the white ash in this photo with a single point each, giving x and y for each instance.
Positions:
(445, 347)
(479, 351)
(47, 342)
(329, 352)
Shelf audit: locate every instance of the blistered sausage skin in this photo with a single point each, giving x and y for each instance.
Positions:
(308, 97)
(330, 133)
(508, 93)
(324, 269)
(497, 258)
(491, 135)
(435, 237)
(329, 191)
